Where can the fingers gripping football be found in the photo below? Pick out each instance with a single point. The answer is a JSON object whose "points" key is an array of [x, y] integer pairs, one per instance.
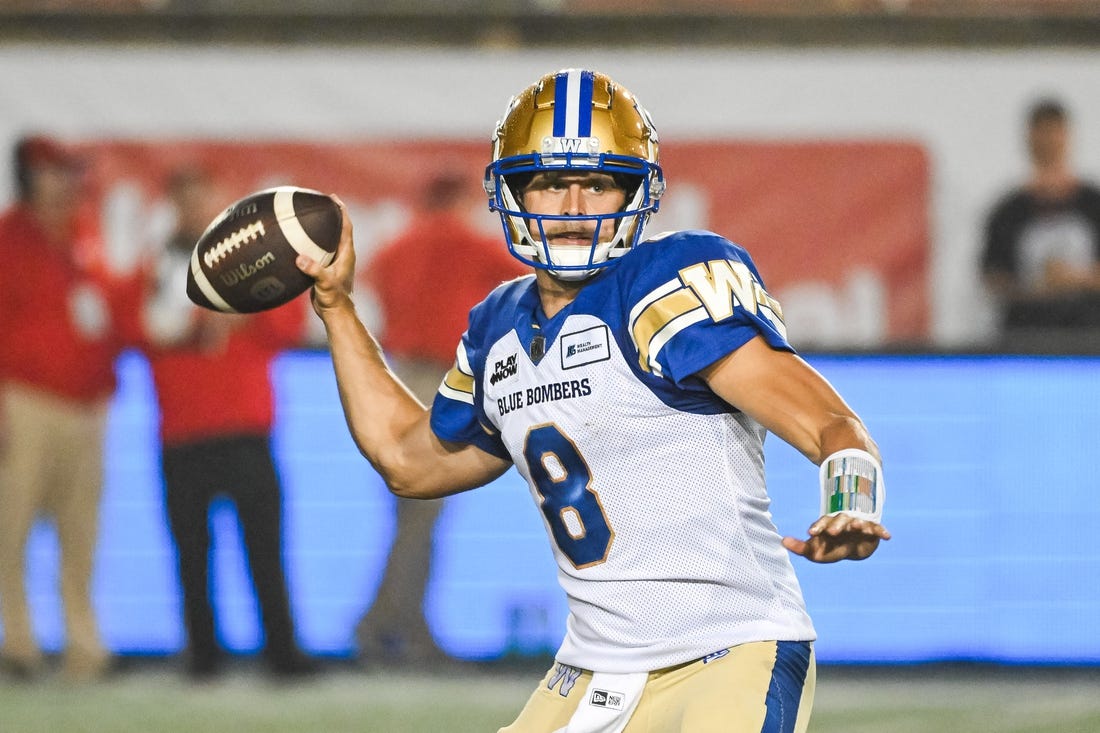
{"points": [[333, 284]]}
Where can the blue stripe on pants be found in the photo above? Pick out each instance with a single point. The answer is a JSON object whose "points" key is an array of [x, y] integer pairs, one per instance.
{"points": [[792, 661]]}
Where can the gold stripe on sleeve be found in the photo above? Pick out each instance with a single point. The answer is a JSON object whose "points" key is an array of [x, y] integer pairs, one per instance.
{"points": [[656, 316], [458, 381]]}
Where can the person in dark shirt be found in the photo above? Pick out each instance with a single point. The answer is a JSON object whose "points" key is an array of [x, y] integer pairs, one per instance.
{"points": [[1042, 241]]}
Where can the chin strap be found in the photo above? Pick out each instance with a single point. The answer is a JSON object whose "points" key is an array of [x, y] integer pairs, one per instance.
{"points": [[852, 483]]}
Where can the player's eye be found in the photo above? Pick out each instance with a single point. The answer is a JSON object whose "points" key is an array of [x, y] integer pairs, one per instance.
{"points": [[601, 184]]}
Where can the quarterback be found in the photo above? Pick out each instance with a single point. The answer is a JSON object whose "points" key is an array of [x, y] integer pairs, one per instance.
{"points": [[631, 382]]}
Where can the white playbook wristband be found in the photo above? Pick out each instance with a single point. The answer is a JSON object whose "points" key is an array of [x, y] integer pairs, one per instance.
{"points": [[852, 483]]}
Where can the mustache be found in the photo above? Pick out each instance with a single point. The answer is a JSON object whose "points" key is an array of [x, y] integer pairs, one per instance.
{"points": [[570, 230]]}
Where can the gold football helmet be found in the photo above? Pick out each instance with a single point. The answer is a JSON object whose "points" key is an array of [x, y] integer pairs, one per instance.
{"points": [[574, 119]]}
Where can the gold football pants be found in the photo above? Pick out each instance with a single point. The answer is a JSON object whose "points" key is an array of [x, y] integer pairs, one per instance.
{"points": [[761, 687]]}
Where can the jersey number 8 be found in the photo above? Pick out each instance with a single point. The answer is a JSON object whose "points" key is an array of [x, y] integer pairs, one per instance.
{"points": [[571, 507]]}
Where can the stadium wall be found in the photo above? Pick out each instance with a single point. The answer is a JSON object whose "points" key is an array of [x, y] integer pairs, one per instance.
{"points": [[963, 107]]}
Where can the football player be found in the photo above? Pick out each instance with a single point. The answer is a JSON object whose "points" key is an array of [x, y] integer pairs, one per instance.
{"points": [[631, 382]]}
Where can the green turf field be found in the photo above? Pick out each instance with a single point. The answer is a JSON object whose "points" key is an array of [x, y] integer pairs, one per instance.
{"points": [[935, 699]]}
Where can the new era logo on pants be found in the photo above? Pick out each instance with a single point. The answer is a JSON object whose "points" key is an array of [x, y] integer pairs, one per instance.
{"points": [[606, 699]]}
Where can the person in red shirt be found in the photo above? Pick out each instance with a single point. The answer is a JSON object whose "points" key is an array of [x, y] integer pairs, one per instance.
{"points": [[425, 282], [63, 321], [213, 383]]}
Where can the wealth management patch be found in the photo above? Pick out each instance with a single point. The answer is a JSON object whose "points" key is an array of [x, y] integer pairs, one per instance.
{"points": [[585, 347]]}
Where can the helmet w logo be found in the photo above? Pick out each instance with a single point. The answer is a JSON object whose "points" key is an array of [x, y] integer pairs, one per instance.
{"points": [[575, 144]]}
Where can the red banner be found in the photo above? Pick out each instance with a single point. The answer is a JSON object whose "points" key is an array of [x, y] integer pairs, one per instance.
{"points": [[839, 230]]}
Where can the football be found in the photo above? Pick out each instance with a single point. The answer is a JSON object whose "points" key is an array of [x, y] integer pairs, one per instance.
{"points": [[244, 261]]}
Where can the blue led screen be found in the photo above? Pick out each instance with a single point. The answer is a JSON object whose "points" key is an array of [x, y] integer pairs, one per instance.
{"points": [[992, 500]]}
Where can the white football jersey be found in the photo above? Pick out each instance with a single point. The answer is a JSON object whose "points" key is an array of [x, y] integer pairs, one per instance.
{"points": [[651, 487]]}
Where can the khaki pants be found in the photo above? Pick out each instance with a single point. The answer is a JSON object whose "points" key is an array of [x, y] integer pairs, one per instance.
{"points": [[394, 629], [51, 463], [750, 687]]}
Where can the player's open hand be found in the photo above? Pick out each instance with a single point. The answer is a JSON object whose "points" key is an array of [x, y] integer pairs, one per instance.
{"points": [[838, 537], [333, 284]]}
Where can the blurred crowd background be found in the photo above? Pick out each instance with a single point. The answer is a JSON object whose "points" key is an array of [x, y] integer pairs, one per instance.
{"points": [[858, 148]]}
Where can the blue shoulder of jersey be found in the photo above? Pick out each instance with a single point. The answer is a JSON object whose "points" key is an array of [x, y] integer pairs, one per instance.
{"points": [[457, 414], [694, 297]]}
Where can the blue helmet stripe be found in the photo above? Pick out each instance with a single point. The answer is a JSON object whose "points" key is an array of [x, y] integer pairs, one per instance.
{"points": [[584, 112], [561, 103], [573, 104]]}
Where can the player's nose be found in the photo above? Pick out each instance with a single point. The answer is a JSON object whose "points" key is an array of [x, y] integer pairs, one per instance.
{"points": [[573, 203]]}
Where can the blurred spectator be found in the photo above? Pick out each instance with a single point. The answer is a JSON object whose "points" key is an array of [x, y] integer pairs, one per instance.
{"points": [[426, 281], [1042, 242], [212, 377], [62, 323]]}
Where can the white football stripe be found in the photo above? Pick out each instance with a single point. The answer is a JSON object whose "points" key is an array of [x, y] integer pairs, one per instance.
{"points": [[206, 287], [292, 228]]}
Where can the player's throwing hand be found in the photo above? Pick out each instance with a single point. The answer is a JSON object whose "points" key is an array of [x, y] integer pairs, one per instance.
{"points": [[334, 283]]}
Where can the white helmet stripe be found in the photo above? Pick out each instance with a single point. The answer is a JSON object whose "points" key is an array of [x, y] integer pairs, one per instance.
{"points": [[573, 103]]}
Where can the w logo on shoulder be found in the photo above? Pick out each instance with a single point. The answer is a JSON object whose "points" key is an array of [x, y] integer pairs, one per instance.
{"points": [[606, 699]]}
